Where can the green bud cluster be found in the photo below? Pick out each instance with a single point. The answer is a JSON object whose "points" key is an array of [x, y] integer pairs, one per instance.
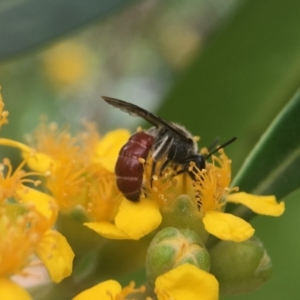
{"points": [[172, 247], [239, 267]]}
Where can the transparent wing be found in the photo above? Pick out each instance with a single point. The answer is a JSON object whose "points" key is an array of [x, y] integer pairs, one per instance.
{"points": [[137, 111]]}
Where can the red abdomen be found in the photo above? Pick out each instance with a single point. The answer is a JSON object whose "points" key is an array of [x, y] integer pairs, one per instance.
{"points": [[129, 170]]}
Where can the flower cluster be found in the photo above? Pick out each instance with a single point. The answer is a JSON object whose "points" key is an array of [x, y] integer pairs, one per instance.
{"points": [[76, 175], [26, 220]]}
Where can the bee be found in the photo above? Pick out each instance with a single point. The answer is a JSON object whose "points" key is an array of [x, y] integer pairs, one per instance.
{"points": [[165, 141]]}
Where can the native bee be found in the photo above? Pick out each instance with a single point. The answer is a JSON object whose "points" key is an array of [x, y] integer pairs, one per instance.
{"points": [[165, 141]]}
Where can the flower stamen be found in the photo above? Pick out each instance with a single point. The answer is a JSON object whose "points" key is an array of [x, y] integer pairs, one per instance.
{"points": [[13, 181]]}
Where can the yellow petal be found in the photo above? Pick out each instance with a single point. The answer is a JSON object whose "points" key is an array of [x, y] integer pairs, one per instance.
{"points": [[43, 203], [187, 282], [106, 290], [137, 219], [227, 227], [108, 148], [263, 205], [40, 162], [11, 291], [56, 254], [108, 230]]}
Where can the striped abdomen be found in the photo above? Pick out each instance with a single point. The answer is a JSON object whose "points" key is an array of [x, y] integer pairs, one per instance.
{"points": [[129, 170]]}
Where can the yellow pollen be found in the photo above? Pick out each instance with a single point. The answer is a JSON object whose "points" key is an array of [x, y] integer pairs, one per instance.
{"points": [[37, 182], [155, 177], [162, 196], [48, 174], [19, 235], [204, 151], [53, 126], [196, 138], [141, 160]]}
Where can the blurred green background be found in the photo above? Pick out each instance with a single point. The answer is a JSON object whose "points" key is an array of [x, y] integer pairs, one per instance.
{"points": [[220, 68]]}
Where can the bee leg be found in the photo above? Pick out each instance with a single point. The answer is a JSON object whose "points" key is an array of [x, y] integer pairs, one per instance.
{"points": [[163, 166], [153, 169], [163, 148], [197, 195], [180, 171], [159, 152], [199, 161], [144, 191]]}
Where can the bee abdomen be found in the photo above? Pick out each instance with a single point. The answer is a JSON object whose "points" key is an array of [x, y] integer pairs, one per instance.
{"points": [[129, 170]]}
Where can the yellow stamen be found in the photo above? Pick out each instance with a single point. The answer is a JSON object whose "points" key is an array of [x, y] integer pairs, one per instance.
{"points": [[19, 236], [103, 196], [196, 138], [128, 290], [15, 144], [13, 181], [141, 160]]}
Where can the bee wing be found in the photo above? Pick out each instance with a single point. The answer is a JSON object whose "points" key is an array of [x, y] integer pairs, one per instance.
{"points": [[137, 111]]}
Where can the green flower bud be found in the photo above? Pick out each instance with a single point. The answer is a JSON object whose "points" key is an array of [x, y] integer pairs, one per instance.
{"points": [[240, 267], [172, 247], [183, 213]]}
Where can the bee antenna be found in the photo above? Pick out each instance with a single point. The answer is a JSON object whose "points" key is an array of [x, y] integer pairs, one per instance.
{"points": [[213, 144], [220, 147]]}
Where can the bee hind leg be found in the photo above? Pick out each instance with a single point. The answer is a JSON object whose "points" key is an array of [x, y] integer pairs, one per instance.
{"points": [[153, 169], [163, 166]]}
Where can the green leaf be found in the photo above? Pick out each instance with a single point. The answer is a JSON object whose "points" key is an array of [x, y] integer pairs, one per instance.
{"points": [[272, 168], [25, 24], [242, 78]]}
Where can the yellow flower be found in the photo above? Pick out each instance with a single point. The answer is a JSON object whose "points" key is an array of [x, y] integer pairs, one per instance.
{"points": [[108, 290], [26, 219], [208, 194], [185, 282], [212, 186], [81, 176], [132, 221], [79, 170], [67, 63], [61, 156]]}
